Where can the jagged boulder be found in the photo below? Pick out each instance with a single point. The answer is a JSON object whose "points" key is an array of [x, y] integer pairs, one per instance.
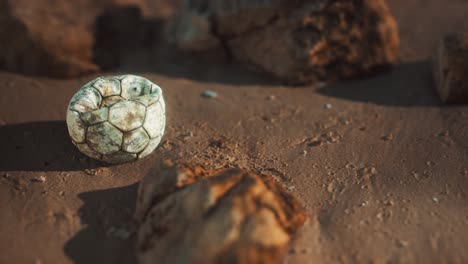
{"points": [[187, 214]]}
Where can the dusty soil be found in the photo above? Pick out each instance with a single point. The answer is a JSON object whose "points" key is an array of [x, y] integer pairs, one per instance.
{"points": [[379, 164]]}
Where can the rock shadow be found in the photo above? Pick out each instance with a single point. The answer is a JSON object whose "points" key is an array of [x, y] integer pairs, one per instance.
{"points": [[108, 236], [406, 85]]}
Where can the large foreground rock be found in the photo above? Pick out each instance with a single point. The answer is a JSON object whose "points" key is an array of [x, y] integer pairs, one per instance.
{"points": [[191, 215], [58, 38], [297, 41], [451, 68]]}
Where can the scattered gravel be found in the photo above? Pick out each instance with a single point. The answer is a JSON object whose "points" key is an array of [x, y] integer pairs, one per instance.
{"points": [[209, 94]]}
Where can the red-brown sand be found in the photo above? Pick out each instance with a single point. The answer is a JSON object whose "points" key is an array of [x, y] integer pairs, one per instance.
{"points": [[382, 170]]}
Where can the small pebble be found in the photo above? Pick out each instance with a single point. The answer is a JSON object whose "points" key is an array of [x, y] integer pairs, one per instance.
{"points": [[40, 179], [328, 106], [209, 94], [435, 199], [271, 98], [304, 152], [292, 187], [387, 137], [402, 243]]}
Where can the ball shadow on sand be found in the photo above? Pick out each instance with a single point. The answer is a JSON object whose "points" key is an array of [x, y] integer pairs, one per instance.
{"points": [[40, 146], [102, 212], [405, 85]]}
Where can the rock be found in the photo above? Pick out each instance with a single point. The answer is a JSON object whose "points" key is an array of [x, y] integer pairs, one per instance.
{"points": [[187, 214], [297, 41], [57, 38], [451, 68]]}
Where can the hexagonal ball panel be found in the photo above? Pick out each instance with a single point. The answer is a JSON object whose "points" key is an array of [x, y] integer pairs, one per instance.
{"points": [[127, 115], [150, 148], [134, 86], [108, 86], [135, 140], [85, 100], [147, 100], [76, 127], [84, 148], [155, 120], [104, 138]]}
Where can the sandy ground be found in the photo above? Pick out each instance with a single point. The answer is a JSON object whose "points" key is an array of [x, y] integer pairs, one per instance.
{"points": [[390, 186]]}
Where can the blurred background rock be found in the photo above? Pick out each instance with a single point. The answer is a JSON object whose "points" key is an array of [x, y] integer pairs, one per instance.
{"points": [[59, 38], [297, 42]]}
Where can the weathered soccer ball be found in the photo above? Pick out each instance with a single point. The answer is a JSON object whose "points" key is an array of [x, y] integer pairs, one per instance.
{"points": [[117, 119]]}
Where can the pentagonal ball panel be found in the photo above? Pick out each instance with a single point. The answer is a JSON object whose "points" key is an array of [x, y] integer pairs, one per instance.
{"points": [[135, 140], [104, 138], [127, 115], [134, 86], [96, 116]]}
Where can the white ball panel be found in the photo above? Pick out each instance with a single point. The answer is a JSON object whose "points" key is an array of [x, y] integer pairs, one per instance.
{"points": [[104, 138], [108, 86], [85, 100], [151, 147], [84, 148], [134, 86], [76, 127], [135, 140], [155, 120], [127, 115]]}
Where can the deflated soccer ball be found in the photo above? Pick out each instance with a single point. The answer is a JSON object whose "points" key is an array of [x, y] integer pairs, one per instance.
{"points": [[117, 119]]}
